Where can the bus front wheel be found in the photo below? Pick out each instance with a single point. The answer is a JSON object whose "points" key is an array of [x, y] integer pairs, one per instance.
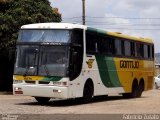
{"points": [[42, 100], [87, 92]]}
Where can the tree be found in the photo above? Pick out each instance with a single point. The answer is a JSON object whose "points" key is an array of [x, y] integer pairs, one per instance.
{"points": [[14, 14]]}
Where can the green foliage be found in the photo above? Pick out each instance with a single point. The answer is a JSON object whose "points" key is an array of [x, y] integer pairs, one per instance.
{"points": [[15, 13]]}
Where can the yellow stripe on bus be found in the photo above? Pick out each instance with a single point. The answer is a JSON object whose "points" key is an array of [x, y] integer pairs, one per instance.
{"points": [[19, 77]]}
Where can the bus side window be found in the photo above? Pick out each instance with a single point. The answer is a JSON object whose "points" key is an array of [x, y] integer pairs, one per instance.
{"points": [[149, 52], [118, 47], [133, 52], [122, 48], [92, 44], [145, 52], [112, 46], [107, 46], [142, 50], [152, 52], [138, 49], [127, 48]]}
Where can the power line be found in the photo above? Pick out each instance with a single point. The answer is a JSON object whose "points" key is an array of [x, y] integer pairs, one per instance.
{"points": [[131, 29], [72, 17], [121, 24], [111, 17], [122, 17], [119, 28], [72, 21]]}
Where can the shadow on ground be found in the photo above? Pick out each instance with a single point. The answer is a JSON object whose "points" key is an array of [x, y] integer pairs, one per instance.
{"points": [[74, 102]]}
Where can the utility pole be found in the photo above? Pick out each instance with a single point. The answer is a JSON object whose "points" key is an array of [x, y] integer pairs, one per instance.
{"points": [[83, 12]]}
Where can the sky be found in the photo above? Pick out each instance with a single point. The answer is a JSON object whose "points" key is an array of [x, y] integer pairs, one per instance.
{"points": [[140, 18]]}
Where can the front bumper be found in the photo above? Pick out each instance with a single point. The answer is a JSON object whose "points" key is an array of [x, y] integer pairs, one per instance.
{"points": [[41, 91]]}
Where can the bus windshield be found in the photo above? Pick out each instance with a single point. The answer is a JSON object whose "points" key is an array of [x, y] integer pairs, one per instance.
{"points": [[46, 35], [42, 60], [54, 61]]}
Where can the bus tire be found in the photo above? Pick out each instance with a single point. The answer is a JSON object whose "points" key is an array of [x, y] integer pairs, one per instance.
{"points": [[42, 100], [141, 88], [135, 90], [88, 92]]}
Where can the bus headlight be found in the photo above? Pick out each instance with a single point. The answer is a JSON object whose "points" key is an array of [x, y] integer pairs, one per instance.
{"points": [[18, 90], [56, 91]]}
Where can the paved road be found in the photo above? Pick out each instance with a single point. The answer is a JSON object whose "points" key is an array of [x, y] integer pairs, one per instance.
{"points": [[149, 103]]}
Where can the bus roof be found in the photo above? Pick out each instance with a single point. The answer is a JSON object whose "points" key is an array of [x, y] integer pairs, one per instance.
{"points": [[53, 26], [74, 26], [120, 35]]}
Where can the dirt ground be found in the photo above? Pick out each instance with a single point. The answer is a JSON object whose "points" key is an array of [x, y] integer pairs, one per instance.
{"points": [[149, 103]]}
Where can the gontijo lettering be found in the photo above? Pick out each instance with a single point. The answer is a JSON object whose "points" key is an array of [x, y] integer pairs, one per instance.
{"points": [[129, 64]]}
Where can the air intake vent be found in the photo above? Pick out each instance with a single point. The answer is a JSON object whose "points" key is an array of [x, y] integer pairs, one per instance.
{"points": [[29, 82], [44, 82]]}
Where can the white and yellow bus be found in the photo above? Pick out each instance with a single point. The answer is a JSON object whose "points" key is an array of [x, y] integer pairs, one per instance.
{"points": [[61, 60]]}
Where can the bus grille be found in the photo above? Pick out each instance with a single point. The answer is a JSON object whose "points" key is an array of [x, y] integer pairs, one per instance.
{"points": [[44, 82]]}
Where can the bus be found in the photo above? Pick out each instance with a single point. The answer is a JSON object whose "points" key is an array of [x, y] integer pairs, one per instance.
{"points": [[65, 61]]}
